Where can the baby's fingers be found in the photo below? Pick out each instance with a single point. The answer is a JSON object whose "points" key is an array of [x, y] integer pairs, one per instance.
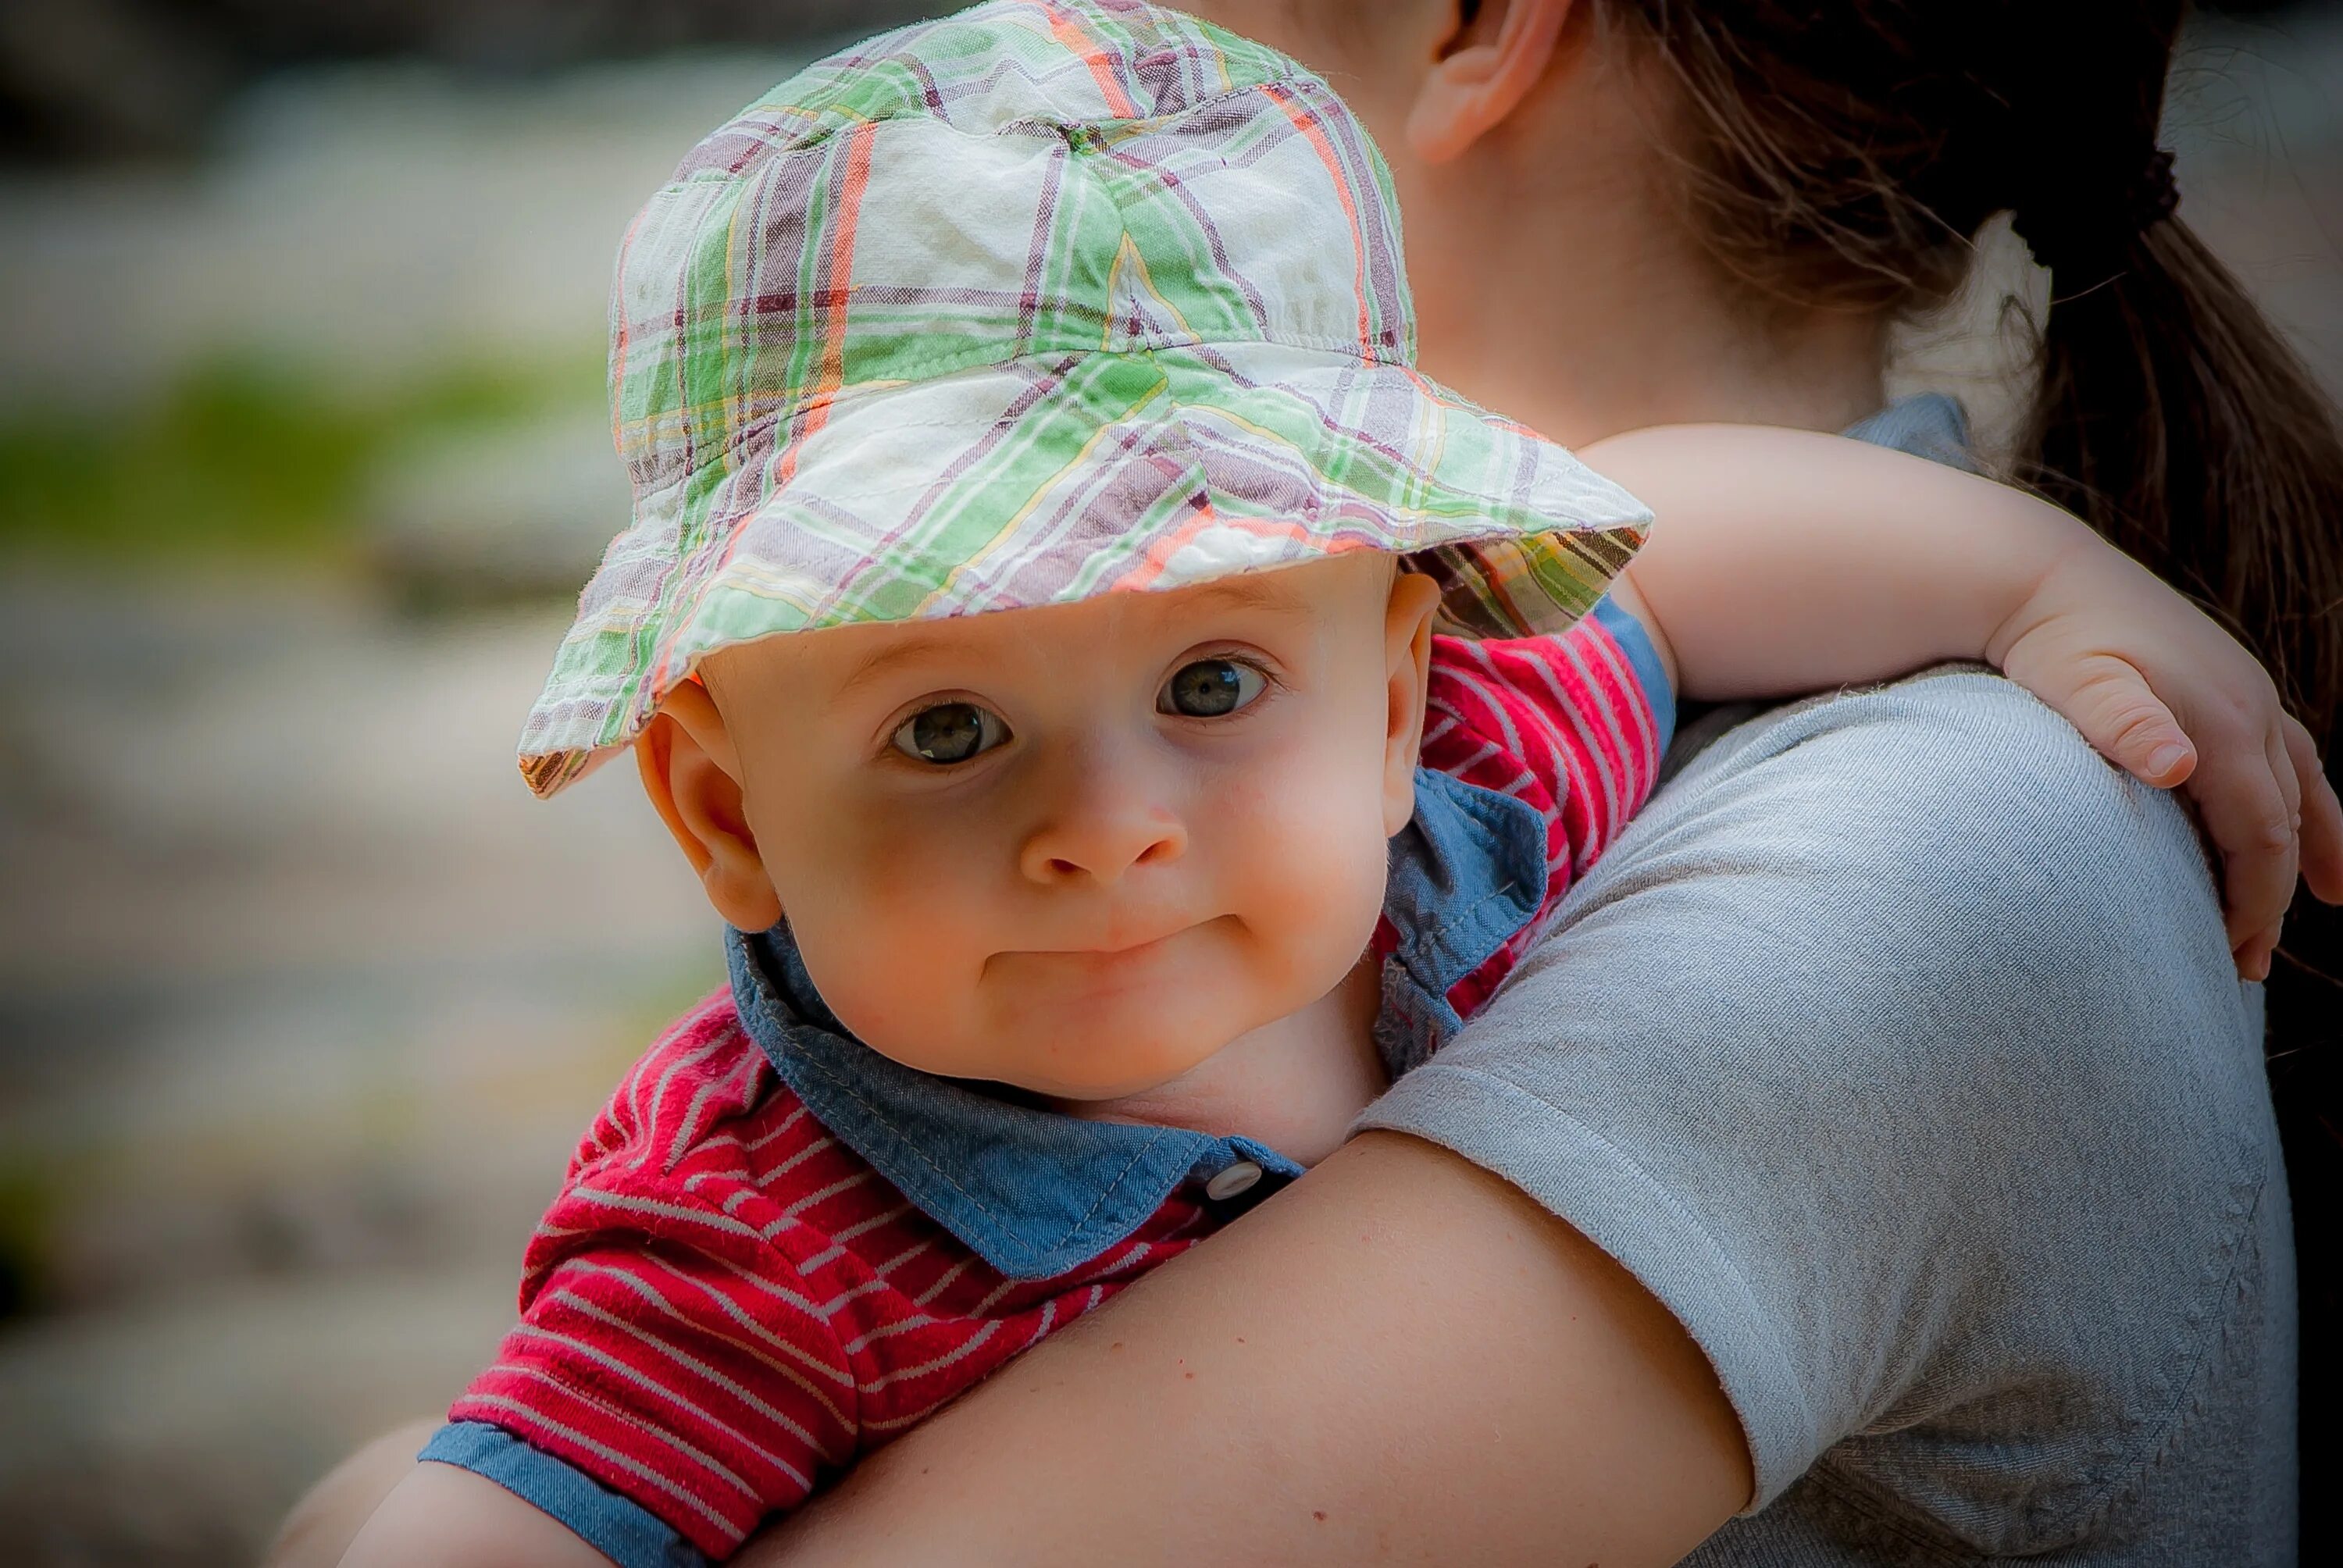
{"points": [[2246, 818], [2111, 703], [2322, 816], [2253, 958]]}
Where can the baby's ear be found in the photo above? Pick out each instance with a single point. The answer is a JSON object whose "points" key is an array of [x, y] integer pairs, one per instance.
{"points": [[1407, 667], [691, 772]]}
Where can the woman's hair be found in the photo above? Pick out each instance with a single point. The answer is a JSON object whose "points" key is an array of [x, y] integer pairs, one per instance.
{"points": [[1847, 154]]}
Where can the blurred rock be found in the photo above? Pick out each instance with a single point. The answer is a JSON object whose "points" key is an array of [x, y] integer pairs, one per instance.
{"points": [[82, 79], [304, 1002], [85, 80], [505, 512], [175, 1434], [372, 226]]}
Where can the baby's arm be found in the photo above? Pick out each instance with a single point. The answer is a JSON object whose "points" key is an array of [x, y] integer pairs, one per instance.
{"points": [[672, 1379], [1784, 561], [669, 1385], [455, 1519]]}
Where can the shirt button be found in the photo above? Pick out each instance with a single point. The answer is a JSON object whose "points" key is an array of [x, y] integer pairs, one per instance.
{"points": [[1238, 1178]]}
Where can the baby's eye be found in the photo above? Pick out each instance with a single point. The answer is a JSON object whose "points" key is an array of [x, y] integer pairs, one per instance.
{"points": [[949, 732], [1209, 688]]}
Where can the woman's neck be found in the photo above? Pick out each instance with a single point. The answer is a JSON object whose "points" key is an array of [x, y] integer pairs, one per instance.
{"points": [[1294, 1084], [1618, 353], [1572, 294]]}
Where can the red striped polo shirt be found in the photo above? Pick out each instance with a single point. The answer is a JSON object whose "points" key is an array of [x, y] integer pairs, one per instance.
{"points": [[726, 1305]]}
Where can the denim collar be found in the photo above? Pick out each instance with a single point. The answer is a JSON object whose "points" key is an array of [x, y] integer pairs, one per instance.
{"points": [[1929, 425], [1037, 1193]]}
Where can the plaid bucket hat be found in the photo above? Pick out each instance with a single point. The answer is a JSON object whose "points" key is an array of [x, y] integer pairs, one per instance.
{"points": [[1049, 299]]}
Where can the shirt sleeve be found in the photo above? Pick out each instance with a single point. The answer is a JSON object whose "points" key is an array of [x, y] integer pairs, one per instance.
{"points": [[1896, 1049], [670, 1382], [1573, 724], [1576, 724]]}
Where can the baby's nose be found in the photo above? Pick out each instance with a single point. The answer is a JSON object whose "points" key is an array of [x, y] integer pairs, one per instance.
{"points": [[1100, 841]]}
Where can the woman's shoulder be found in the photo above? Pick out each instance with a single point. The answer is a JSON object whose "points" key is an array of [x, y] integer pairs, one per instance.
{"points": [[1957, 786], [1896, 1049], [1916, 889], [1948, 850]]}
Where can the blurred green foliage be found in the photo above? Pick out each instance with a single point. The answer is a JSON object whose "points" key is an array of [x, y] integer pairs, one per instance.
{"points": [[244, 457]]}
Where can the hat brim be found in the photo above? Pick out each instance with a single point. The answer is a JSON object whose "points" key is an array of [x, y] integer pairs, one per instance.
{"points": [[1049, 480]]}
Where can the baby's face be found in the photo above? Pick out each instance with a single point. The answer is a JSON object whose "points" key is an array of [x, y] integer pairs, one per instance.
{"points": [[1080, 849]]}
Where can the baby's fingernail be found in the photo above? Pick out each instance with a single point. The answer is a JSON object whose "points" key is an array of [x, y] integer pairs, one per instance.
{"points": [[2165, 757]]}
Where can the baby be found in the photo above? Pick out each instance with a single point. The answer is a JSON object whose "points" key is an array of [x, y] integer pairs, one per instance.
{"points": [[1125, 714]]}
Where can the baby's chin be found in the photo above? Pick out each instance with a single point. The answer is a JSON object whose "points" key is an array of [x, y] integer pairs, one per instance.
{"points": [[1099, 1091], [1078, 1066]]}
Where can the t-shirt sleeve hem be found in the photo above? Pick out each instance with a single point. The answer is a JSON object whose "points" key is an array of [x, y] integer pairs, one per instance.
{"points": [[1571, 1171], [617, 1527], [1643, 658]]}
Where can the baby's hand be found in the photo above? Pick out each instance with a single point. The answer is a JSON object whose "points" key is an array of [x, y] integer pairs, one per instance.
{"points": [[2172, 699]]}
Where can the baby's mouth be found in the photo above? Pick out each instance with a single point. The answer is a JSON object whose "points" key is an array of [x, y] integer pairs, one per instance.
{"points": [[1118, 951]]}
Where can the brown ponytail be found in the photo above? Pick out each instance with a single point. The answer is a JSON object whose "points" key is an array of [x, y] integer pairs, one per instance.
{"points": [[2181, 425], [1846, 155]]}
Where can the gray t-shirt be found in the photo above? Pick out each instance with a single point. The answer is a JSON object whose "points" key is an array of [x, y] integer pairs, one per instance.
{"points": [[1898, 1049]]}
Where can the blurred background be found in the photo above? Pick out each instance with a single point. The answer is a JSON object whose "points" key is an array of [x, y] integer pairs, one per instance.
{"points": [[303, 998]]}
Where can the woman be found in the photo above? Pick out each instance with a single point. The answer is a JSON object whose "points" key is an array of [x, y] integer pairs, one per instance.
{"points": [[1932, 1206]]}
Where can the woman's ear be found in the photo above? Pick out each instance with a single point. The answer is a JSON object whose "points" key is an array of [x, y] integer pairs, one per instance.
{"points": [[1494, 55], [1407, 666], [691, 772]]}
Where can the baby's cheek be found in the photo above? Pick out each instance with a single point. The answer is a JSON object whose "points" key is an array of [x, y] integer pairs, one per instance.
{"points": [[894, 995], [890, 955], [1307, 870]]}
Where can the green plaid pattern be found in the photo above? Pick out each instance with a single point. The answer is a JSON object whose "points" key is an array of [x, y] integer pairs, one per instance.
{"points": [[1042, 301]]}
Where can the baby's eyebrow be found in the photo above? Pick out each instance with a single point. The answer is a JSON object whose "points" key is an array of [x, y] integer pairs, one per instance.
{"points": [[882, 662], [1256, 591], [1252, 590]]}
